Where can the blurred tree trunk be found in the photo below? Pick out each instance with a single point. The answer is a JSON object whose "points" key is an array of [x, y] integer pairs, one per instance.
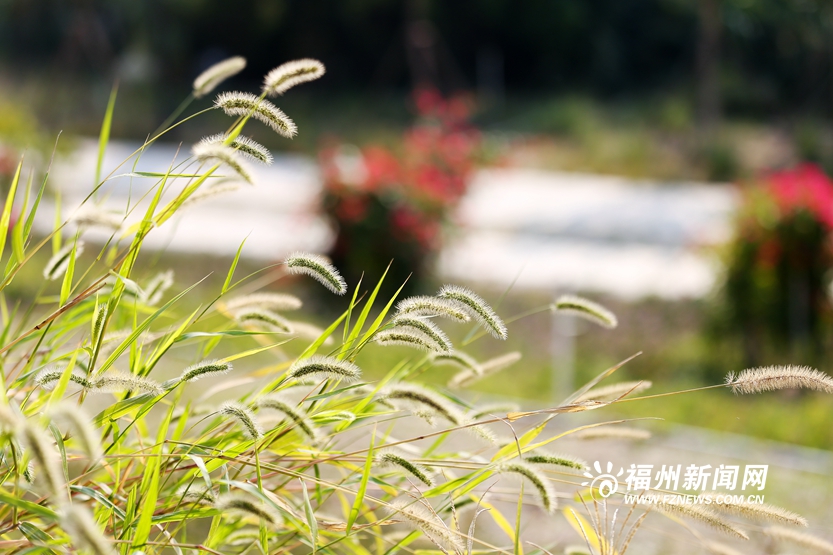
{"points": [[708, 64]]}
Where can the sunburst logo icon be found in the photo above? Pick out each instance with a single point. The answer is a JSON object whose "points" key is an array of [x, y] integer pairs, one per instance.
{"points": [[603, 480]]}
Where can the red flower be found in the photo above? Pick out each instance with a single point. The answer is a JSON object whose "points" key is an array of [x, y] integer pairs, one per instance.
{"points": [[805, 187]]}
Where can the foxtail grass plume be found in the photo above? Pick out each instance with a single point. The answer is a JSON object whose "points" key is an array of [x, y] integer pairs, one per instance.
{"points": [[542, 485], [477, 308], [116, 381], [262, 318], [99, 317], [408, 338], [243, 504], [760, 512], [614, 391], [296, 415], [49, 376], [196, 494], [424, 326], [156, 287], [205, 368], [704, 515], [244, 104], [319, 367], [431, 306], [587, 309], [82, 529], [542, 457], [209, 79], [457, 359], [612, 432], [487, 368], [779, 533], [45, 456], [57, 266], [93, 216], [218, 152], [422, 398], [418, 471], [211, 191], [427, 522], [721, 549], [287, 75], [318, 268], [279, 302], [771, 378], [85, 434], [243, 416], [243, 145]]}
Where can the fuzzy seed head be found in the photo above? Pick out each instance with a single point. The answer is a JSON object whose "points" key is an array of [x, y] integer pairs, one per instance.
{"points": [[408, 338], [93, 216], [85, 434], [287, 75], [424, 326], [263, 319], [209, 79], [422, 398], [44, 456], [57, 266], [243, 416], [477, 308], [278, 302], [79, 524], [218, 152], [318, 268], [457, 359], [240, 503], [587, 309], [541, 457], [418, 471], [612, 432], [244, 145], [431, 306], [157, 286], [779, 533], [771, 378], [49, 376], [205, 368], [427, 522], [761, 512], [542, 485], [243, 104], [319, 367], [116, 381], [296, 415], [704, 515], [196, 494]]}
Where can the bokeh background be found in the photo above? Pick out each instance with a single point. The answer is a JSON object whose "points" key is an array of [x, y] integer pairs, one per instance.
{"points": [[666, 157]]}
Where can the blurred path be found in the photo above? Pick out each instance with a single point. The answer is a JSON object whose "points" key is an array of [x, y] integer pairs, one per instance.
{"points": [[548, 230]]}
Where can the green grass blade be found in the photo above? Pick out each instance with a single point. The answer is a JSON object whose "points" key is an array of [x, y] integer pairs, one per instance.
{"points": [[104, 136], [233, 267], [7, 208], [354, 333], [66, 284], [359, 501], [311, 522]]}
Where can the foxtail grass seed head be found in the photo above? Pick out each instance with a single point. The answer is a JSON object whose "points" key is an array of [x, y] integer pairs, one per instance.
{"points": [[427, 522], [278, 302], [57, 266], [85, 433], [542, 485], [779, 533], [422, 398], [211, 153], [704, 515], [195, 494], [318, 268], [425, 326], [721, 549], [99, 317], [156, 287], [8, 420], [614, 391], [431, 306], [116, 381], [457, 359], [243, 104], [287, 75], [612, 432], [319, 367], [82, 529], [45, 457], [772, 378], [243, 416], [408, 338], [205, 368], [477, 308], [243, 504], [418, 471], [263, 319], [296, 415], [587, 309], [760, 512], [92, 216], [541, 457], [209, 79], [244, 145], [49, 376]]}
